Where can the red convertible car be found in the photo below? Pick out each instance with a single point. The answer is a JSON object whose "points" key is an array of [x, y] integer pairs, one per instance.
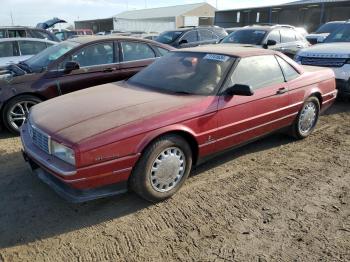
{"points": [[146, 133]]}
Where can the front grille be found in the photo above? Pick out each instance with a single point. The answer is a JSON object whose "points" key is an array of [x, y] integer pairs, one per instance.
{"points": [[40, 139], [327, 62]]}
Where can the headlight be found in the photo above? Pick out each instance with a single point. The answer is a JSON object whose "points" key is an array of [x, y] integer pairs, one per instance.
{"points": [[62, 152]]}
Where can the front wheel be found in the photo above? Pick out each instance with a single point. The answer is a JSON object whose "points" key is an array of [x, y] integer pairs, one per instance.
{"points": [[15, 111], [162, 168], [307, 118]]}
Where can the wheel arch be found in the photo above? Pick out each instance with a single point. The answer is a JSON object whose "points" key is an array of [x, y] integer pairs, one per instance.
{"points": [[183, 132], [318, 95], [16, 96]]}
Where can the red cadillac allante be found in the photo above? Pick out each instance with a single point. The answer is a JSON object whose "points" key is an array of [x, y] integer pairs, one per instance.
{"points": [[147, 133]]}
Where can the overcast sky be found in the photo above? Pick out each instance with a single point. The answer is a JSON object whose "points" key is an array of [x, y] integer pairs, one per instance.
{"points": [[30, 12]]}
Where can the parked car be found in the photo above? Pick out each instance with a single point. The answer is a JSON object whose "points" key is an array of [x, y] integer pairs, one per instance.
{"points": [[302, 31], [232, 29], [325, 30], [14, 50], [147, 133], [192, 36], [281, 38], [22, 31], [69, 66], [150, 36], [66, 34], [335, 54]]}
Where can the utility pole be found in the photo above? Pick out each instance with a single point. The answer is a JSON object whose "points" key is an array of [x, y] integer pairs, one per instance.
{"points": [[216, 4], [11, 19], [145, 3], [127, 5]]}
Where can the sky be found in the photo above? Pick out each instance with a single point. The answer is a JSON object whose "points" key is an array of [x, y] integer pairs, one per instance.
{"points": [[31, 12]]}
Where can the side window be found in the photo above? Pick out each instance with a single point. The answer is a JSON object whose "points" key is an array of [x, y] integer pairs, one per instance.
{"points": [[40, 34], [3, 33], [190, 36], [205, 35], [275, 35], [6, 49], [133, 51], [287, 36], [98, 54], [253, 71], [16, 33], [31, 47], [161, 51], [289, 72]]}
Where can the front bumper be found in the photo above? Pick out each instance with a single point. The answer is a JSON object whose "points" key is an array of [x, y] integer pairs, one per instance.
{"points": [[74, 195], [82, 184]]}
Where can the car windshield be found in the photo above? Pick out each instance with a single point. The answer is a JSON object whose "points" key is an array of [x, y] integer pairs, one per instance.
{"points": [[168, 37], [189, 73], [44, 58], [247, 36], [340, 35], [327, 28]]}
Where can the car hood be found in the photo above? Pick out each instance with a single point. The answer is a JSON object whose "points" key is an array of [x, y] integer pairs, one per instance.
{"points": [[84, 114], [327, 50], [8, 79]]}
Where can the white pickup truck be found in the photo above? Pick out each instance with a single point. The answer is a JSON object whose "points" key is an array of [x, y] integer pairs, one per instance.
{"points": [[333, 53]]}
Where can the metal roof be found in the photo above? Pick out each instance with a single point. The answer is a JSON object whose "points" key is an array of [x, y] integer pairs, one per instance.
{"points": [[161, 12]]}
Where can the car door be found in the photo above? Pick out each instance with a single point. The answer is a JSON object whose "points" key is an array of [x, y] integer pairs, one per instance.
{"points": [[134, 56], [274, 35], [98, 65], [243, 118], [207, 37], [289, 44], [189, 39]]}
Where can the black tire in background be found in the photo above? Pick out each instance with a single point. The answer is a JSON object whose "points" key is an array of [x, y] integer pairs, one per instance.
{"points": [[142, 178]]}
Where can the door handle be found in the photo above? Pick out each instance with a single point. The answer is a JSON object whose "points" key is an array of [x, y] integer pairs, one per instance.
{"points": [[282, 91], [108, 70], [299, 46]]}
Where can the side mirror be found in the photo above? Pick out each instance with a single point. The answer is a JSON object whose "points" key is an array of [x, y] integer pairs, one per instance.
{"points": [[269, 43], [240, 90], [71, 66], [183, 41]]}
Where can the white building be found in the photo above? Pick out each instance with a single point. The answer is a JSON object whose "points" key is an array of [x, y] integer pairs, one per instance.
{"points": [[164, 18]]}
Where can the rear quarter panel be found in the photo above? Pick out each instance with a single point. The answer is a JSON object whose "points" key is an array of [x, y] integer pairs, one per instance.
{"points": [[313, 81]]}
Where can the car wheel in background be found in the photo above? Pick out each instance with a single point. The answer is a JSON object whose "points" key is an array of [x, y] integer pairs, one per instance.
{"points": [[16, 110], [307, 118], [162, 168]]}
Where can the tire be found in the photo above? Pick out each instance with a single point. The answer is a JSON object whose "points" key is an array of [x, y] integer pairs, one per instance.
{"points": [[12, 107], [302, 130], [148, 173]]}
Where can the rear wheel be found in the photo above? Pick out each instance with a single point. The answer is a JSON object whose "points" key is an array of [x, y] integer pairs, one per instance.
{"points": [[162, 168], [15, 111], [307, 118]]}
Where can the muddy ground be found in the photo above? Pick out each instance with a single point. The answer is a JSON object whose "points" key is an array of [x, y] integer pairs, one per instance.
{"points": [[274, 200]]}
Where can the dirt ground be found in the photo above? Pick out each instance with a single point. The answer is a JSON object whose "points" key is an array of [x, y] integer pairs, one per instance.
{"points": [[274, 200]]}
